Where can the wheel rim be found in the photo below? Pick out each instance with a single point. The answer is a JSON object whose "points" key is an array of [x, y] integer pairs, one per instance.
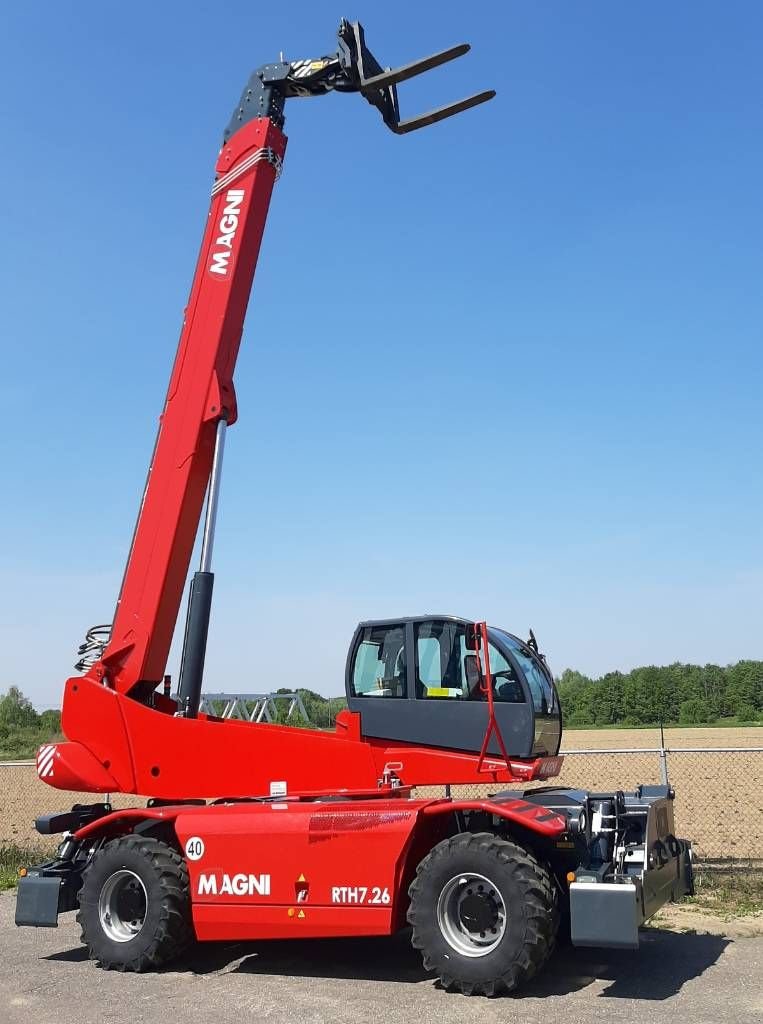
{"points": [[471, 914], [122, 906]]}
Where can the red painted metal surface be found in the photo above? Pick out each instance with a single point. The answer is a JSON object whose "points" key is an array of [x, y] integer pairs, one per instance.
{"points": [[493, 729], [117, 744], [338, 865], [521, 812], [304, 868], [200, 391]]}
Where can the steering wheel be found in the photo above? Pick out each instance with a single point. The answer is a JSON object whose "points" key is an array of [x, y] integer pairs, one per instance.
{"points": [[512, 685]]}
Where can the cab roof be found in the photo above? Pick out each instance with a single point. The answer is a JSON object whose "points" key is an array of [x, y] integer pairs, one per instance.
{"points": [[403, 619]]}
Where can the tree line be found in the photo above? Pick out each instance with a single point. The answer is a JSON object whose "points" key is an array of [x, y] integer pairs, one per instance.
{"points": [[672, 694], [22, 729]]}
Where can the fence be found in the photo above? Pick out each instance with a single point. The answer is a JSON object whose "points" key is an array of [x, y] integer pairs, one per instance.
{"points": [[719, 793], [719, 790]]}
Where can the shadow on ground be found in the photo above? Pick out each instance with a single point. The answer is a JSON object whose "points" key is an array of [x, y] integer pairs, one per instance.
{"points": [[661, 966], [664, 962]]}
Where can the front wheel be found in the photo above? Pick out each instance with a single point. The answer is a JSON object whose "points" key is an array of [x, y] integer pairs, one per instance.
{"points": [[484, 913], [134, 905]]}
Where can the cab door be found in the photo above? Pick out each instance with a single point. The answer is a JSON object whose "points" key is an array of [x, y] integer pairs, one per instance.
{"points": [[441, 704], [448, 703]]}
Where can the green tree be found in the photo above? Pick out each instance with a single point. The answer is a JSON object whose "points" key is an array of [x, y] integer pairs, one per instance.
{"points": [[50, 723], [16, 711], [693, 712], [745, 685], [576, 696], [649, 694], [747, 713], [714, 686], [608, 699]]}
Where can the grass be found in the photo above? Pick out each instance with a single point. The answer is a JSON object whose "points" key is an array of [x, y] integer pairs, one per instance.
{"points": [[13, 857], [718, 723], [728, 893]]}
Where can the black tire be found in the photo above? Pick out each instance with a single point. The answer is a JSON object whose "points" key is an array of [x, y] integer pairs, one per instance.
{"points": [[518, 907], [134, 905]]}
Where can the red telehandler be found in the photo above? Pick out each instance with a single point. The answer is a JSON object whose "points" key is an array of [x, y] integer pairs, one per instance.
{"points": [[261, 831]]}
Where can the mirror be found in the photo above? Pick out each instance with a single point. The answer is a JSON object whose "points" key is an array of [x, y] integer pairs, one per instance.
{"points": [[472, 638]]}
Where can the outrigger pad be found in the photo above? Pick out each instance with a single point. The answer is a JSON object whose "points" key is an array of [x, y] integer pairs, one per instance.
{"points": [[379, 85]]}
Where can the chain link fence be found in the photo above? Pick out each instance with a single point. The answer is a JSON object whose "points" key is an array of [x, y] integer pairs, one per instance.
{"points": [[719, 790], [719, 793]]}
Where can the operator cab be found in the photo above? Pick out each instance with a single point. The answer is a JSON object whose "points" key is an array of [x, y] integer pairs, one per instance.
{"points": [[418, 680]]}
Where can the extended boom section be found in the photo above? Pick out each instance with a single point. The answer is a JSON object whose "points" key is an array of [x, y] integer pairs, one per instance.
{"points": [[200, 394]]}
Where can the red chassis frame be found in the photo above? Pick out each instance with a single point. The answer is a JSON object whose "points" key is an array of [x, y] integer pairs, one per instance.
{"points": [[139, 749], [292, 868]]}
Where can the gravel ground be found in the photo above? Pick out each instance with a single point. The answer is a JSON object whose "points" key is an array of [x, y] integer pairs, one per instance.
{"points": [[45, 979]]}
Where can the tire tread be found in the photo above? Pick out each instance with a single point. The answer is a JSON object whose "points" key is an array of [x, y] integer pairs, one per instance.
{"points": [[173, 932], [541, 910]]}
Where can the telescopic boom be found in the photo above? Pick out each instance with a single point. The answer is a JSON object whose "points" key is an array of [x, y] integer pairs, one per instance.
{"points": [[131, 655]]}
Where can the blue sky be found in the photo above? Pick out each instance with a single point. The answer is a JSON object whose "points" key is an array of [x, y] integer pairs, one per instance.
{"points": [[508, 367]]}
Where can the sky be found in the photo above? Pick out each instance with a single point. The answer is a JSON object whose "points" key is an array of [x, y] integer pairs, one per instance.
{"points": [[508, 367]]}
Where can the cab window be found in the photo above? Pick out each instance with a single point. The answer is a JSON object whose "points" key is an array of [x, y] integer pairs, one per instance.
{"points": [[430, 663], [439, 671], [541, 688], [506, 686], [379, 669], [447, 670]]}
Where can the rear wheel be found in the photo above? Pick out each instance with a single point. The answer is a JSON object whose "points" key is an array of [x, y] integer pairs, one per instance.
{"points": [[134, 905], [484, 914]]}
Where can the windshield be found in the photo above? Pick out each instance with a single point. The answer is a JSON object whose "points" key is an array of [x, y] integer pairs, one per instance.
{"points": [[536, 672]]}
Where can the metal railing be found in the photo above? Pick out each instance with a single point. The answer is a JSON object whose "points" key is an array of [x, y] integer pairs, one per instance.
{"points": [[253, 707], [663, 753]]}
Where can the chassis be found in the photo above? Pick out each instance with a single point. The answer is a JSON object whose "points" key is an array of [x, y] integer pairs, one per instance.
{"points": [[517, 864]]}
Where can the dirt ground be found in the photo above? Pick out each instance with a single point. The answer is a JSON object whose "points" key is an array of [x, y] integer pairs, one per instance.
{"points": [[595, 739], [697, 918]]}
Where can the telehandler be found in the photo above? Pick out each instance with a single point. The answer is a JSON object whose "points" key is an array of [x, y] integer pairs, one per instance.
{"points": [[262, 831]]}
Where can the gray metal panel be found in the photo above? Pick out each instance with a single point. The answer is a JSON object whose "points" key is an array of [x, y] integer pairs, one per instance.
{"points": [[604, 914], [668, 882], [37, 901], [447, 724], [660, 884], [410, 662]]}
